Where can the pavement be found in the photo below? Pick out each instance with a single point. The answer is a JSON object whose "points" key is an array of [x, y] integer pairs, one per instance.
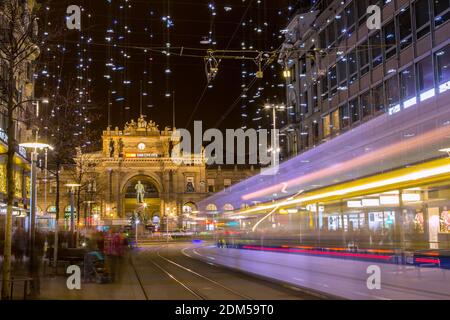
{"points": [[165, 272], [126, 287], [338, 277]]}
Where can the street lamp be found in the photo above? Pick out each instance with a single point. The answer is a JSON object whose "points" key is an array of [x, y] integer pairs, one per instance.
{"points": [[33, 146], [136, 235], [275, 148], [38, 104], [72, 187], [169, 214]]}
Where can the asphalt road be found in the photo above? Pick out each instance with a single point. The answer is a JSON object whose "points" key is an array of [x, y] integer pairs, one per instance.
{"points": [[169, 272]]}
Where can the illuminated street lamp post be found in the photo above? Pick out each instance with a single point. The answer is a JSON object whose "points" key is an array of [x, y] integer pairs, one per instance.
{"points": [[275, 147], [169, 214], [34, 146], [136, 222]]}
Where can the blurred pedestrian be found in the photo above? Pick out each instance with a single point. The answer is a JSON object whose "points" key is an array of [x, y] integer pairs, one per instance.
{"points": [[19, 245]]}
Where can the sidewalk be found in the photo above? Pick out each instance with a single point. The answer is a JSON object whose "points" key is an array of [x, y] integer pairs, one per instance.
{"points": [[125, 288]]}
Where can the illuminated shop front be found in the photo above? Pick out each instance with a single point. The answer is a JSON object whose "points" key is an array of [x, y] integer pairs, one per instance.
{"points": [[22, 187], [403, 208]]}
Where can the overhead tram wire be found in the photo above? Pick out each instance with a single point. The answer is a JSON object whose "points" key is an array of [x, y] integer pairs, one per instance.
{"points": [[234, 104], [205, 89], [182, 50]]}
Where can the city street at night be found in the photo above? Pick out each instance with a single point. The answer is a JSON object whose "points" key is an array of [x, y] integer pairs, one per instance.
{"points": [[212, 159]]}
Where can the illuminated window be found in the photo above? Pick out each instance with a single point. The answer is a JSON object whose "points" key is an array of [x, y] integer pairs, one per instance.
{"points": [[443, 68], [350, 17], [408, 87], [352, 67], [335, 121], [344, 116], [441, 11], [390, 44], [326, 126]]}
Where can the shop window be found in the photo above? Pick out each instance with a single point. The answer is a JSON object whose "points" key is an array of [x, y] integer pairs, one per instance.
{"points": [[344, 116], [392, 95], [366, 105], [378, 98], [441, 11], [443, 68], [333, 80], [354, 110], [408, 87], [425, 76], [326, 126], [335, 121], [352, 67], [445, 221], [350, 18], [342, 73], [376, 49], [422, 17], [363, 55], [390, 44]]}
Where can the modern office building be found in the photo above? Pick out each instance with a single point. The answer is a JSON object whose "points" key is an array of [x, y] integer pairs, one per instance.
{"points": [[342, 74]]}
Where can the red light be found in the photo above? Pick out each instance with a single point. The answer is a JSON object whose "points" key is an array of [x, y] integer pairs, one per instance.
{"points": [[426, 260], [336, 254]]}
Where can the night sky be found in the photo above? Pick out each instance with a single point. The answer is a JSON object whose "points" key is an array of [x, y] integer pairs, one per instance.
{"points": [[218, 106]]}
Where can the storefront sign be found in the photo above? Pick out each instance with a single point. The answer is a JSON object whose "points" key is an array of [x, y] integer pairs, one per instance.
{"points": [[4, 137], [142, 155]]}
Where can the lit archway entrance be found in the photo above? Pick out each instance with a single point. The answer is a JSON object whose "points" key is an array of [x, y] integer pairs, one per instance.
{"points": [[151, 204], [190, 211]]}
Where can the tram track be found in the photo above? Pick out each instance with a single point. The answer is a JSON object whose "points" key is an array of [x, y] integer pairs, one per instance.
{"points": [[226, 288], [164, 272]]}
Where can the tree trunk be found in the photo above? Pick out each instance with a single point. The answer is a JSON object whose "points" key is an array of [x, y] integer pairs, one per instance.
{"points": [[11, 184], [55, 244]]}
